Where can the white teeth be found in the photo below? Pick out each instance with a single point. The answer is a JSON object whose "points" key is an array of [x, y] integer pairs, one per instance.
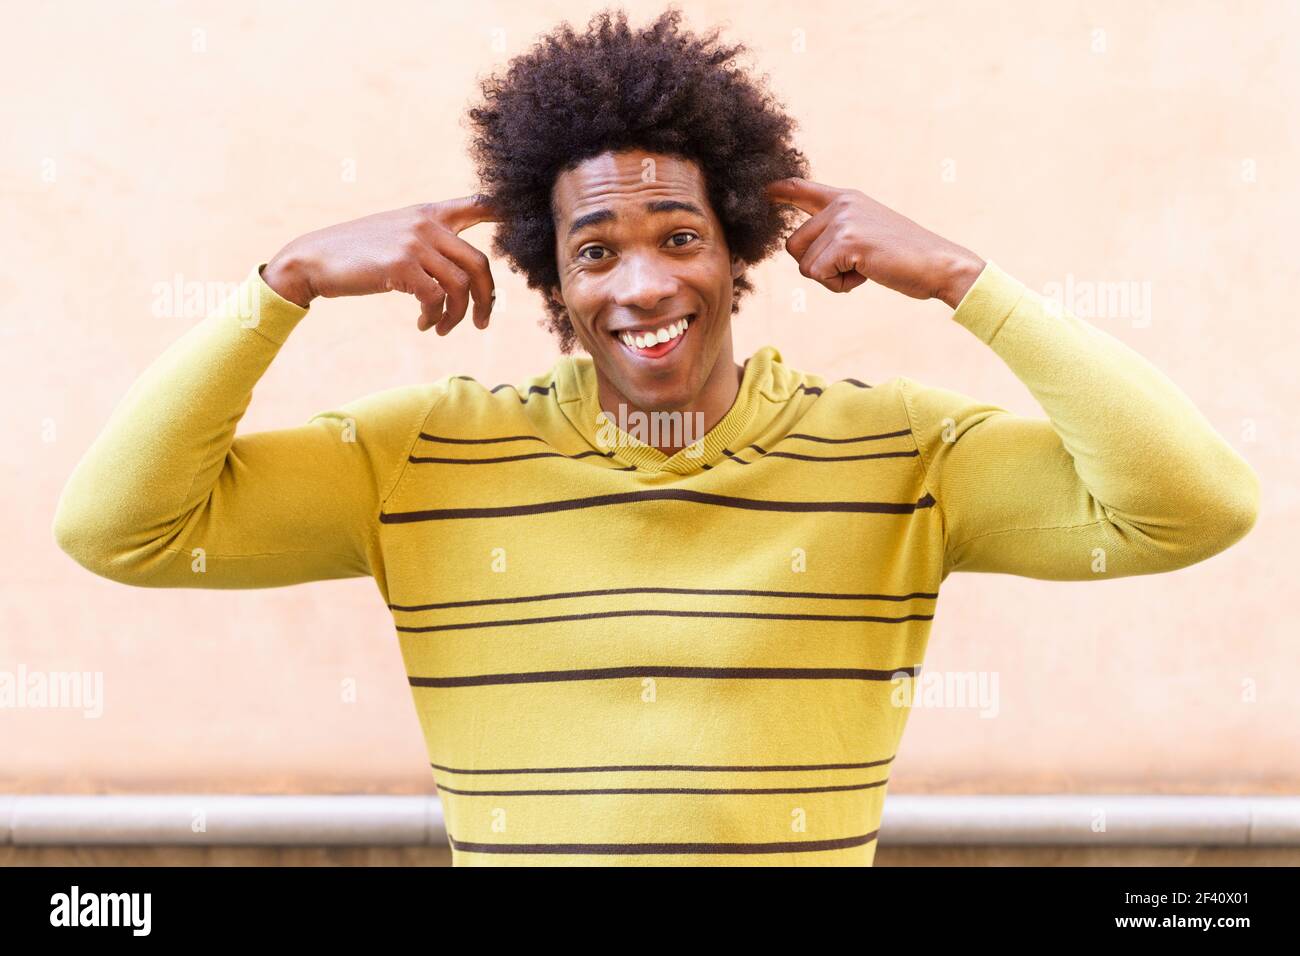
{"points": [[641, 340]]}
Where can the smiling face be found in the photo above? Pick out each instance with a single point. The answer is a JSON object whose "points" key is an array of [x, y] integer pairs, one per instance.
{"points": [[640, 251]]}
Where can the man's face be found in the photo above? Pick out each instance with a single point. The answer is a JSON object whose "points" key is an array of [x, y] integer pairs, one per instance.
{"points": [[638, 249]]}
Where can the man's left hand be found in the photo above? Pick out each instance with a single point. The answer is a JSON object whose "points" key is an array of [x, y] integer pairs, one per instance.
{"points": [[852, 238]]}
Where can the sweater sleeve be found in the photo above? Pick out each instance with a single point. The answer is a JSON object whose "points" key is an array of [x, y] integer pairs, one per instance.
{"points": [[1124, 477], [168, 496]]}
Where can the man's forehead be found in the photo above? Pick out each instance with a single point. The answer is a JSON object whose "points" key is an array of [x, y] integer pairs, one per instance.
{"points": [[623, 177]]}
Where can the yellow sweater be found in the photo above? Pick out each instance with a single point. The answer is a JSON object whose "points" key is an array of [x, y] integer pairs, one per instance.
{"points": [[619, 657]]}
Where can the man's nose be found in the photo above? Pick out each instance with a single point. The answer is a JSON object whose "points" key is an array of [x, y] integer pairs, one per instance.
{"points": [[643, 281]]}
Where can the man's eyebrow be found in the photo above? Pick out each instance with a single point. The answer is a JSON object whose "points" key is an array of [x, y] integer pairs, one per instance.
{"points": [[654, 205]]}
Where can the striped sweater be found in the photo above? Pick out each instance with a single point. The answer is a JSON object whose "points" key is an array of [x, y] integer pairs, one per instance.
{"points": [[623, 657]]}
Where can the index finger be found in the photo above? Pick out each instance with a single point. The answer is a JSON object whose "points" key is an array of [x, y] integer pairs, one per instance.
{"points": [[811, 197], [460, 214]]}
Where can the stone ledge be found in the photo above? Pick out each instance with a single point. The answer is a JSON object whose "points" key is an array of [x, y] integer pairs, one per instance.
{"points": [[376, 821]]}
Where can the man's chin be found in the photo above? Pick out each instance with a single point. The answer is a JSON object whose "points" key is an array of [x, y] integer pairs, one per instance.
{"points": [[670, 388], [656, 396]]}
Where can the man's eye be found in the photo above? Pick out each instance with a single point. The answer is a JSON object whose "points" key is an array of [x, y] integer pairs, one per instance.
{"points": [[676, 245]]}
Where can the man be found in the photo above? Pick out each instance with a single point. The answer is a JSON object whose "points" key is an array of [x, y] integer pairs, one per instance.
{"points": [[632, 645]]}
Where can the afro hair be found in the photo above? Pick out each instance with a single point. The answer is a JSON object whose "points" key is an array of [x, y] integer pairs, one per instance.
{"points": [[572, 97]]}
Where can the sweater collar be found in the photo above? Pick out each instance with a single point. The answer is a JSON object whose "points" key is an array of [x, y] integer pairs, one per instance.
{"points": [[756, 403]]}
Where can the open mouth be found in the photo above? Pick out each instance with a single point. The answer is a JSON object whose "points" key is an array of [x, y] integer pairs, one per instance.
{"points": [[660, 342]]}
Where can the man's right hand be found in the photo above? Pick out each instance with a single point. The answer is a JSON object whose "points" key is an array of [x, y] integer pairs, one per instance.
{"points": [[415, 249]]}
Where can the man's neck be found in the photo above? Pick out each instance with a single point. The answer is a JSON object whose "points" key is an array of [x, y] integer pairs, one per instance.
{"points": [[713, 402]]}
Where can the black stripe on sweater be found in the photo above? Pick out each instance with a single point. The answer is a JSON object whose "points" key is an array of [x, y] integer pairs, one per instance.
{"points": [[636, 849], [662, 612], [425, 436], [547, 389], [711, 592], [707, 673], [702, 768], [801, 436], [496, 461], [790, 454], [658, 494], [729, 791]]}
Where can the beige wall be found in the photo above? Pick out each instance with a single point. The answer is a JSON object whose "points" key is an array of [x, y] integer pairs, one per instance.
{"points": [[1160, 150]]}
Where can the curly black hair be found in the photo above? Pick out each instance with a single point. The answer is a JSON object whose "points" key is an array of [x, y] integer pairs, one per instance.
{"points": [[574, 96]]}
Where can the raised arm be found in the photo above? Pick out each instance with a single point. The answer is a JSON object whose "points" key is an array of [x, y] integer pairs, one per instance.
{"points": [[1124, 477], [168, 496]]}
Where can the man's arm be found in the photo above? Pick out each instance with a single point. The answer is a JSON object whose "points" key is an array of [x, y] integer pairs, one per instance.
{"points": [[168, 496], [1125, 477]]}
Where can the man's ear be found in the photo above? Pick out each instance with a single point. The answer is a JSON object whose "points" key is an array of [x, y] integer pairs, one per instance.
{"points": [[737, 267]]}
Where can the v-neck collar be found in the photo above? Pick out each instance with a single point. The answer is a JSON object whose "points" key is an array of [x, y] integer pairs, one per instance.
{"points": [[577, 394]]}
